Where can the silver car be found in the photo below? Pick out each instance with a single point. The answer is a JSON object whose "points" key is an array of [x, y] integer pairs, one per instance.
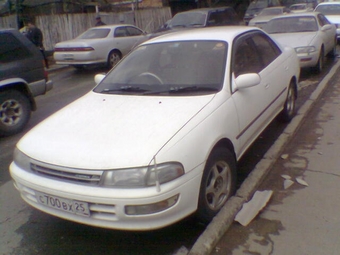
{"points": [[310, 34], [98, 45]]}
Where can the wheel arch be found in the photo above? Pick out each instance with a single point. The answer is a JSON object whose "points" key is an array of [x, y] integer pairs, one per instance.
{"points": [[114, 50], [226, 144], [22, 87]]}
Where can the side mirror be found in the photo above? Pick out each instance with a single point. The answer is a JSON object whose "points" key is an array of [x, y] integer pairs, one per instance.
{"points": [[98, 78], [247, 80], [326, 27]]}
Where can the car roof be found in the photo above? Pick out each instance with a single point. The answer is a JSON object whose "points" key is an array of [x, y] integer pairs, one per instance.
{"points": [[297, 14], [328, 3], [206, 10], [113, 26], [224, 33]]}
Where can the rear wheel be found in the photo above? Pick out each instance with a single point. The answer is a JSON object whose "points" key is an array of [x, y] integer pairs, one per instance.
{"points": [[14, 112], [319, 66], [289, 108], [332, 53], [114, 58], [218, 183]]}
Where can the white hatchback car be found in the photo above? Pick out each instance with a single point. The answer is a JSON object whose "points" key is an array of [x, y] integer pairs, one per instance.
{"points": [[310, 34], [159, 137], [98, 45]]}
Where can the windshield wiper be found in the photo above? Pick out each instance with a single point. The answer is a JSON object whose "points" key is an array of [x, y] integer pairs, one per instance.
{"points": [[124, 88], [174, 90]]}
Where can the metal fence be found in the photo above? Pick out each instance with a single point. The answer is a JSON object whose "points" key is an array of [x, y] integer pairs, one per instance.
{"points": [[61, 27]]}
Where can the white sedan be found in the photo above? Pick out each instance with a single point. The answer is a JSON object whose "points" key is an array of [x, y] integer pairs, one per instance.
{"points": [[98, 45], [159, 137], [332, 12], [310, 34]]}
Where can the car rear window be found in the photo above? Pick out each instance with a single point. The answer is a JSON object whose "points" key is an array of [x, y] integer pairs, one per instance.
{"points": [[11, 49], [95, 33]]}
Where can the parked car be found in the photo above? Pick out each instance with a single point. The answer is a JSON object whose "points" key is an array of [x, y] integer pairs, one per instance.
{"points": [[202, 17], [302, 7], [98, 45], [22, 77], [256, 6], [266, 14], [159, 137], [332, 12], [310, 34]]}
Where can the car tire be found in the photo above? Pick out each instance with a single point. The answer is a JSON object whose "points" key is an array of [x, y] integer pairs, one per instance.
{"points": [[15, 112], [218, 183], [114, 58], [79, 67], [332, 53], [289, 108], [319, 66]]}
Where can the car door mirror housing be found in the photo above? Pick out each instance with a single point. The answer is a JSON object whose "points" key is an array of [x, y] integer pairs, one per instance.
{"points": [[326, 27], [247, 80], [98, 78]]}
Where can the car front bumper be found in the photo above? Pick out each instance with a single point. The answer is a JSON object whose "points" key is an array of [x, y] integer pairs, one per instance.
{"points": [[107, 206], [308, 60]]}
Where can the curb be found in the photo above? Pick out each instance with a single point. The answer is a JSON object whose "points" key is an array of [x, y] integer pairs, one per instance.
{"points": [[223, 220]]}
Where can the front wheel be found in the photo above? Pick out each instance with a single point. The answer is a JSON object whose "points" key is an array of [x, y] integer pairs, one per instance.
{"points": [[14, 112], [218, 183], [319, 66], [289, 108]]}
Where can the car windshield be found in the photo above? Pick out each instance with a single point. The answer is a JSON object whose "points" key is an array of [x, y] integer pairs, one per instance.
{"points": [[298, 7], [291, 25], [256, 6], [188, 19], [169, 68], [267, 12], [95, 33], [329, 9]]}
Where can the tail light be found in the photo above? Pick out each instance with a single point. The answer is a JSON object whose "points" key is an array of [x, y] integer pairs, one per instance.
{"points": [[74, 49]]}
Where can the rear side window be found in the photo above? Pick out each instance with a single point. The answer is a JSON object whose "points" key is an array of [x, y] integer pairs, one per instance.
{"points": [[11, 49]]}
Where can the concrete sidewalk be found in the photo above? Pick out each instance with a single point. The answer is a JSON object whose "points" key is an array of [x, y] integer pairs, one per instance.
{"points": [[300, 219]]}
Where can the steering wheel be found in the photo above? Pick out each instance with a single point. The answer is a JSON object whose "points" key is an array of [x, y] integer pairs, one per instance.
{"points": [[154, 76]]}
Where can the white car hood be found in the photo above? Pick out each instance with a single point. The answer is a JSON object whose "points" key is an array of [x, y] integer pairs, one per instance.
{"points": [[110, 131], [295, 39]]}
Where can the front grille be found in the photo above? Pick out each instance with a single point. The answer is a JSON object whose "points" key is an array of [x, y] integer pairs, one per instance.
{"points": [[78, 176]]}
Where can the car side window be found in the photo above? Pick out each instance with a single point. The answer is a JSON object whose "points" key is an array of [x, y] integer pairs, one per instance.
{"points": [[266, 48], [245, 58], [120, 32], [11, 49], [132, 31], [323, 20]]}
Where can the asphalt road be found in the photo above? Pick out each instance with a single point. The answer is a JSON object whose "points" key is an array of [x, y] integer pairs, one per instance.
{"points": [[24, 230]]}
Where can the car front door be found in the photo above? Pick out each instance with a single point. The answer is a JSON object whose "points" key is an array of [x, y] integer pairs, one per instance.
{"points": [[328, 36], [255, 52]]}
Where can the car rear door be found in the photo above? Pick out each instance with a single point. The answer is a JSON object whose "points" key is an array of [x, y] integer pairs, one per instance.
{"points": [[126, 37]]}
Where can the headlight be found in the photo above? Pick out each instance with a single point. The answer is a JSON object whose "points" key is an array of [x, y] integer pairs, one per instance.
{"points": [[307, 49], [21, 159], [143, 176]]}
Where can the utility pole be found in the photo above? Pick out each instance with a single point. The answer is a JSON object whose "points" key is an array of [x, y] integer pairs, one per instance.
{"points": [[17, 11]]}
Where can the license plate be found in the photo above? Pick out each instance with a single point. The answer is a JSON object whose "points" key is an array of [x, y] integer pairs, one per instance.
{"points": [[68, 56], [63, 204]]}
